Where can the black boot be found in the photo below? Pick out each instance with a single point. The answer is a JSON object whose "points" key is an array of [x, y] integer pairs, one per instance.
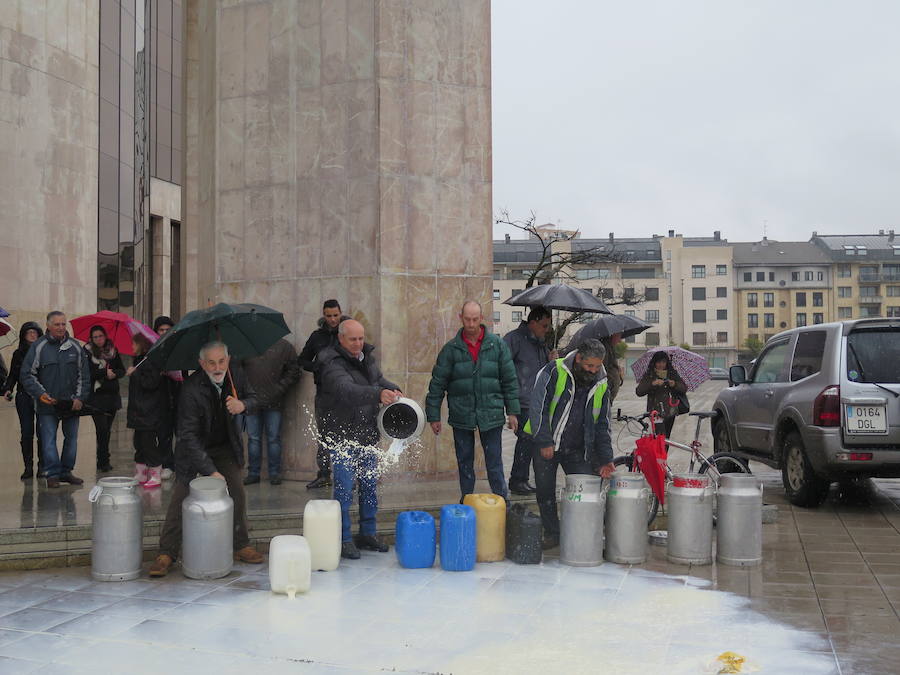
{"points": [[367, 542], [28, 461], [320, 481]]}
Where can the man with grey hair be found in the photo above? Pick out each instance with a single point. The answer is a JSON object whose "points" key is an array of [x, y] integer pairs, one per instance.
{"points": [[569, 421], [56, 374], [476, 372], [209, 444]]}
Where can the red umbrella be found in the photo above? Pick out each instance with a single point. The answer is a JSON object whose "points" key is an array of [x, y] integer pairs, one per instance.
{"points": [[114, 323], [650, 454]]}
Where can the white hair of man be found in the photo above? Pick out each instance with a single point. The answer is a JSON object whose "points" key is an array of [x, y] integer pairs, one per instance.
{"points": [[471, 302], [215, 344]]}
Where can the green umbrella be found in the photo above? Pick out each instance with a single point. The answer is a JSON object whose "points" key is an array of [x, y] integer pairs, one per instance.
{"points": [[248, 330]]}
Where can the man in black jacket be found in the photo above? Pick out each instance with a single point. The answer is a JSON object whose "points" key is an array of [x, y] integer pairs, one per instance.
{"points": [[209, 444], [326, 335], [271, 375], [352, 390]]}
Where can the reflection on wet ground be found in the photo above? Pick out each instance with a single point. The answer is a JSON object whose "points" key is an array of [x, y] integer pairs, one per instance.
{"points": [[825, 599]]}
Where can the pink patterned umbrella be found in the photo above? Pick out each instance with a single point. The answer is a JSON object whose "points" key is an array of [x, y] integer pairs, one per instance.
{"points": [[135, 327], [692, 367]]}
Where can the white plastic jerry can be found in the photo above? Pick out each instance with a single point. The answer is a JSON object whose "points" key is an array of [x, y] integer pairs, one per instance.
{"points": [[289, 565], [322, 529]]}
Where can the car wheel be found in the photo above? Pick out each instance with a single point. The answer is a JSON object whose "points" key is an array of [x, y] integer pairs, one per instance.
{"points": [[721, 438], [801, 485], [652, 502]]}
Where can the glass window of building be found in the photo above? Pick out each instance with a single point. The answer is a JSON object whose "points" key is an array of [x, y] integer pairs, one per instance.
{"points": [[795, 276], [768, 299], [818, 299], [651, 339], [722, 336], [751, 300], [893, 291], [496, 317], [748, 276], [845, 291], [496, 294], [699, 339], [818, 317], [651, 294], [893, 311], [771, 276], [808, 276], [845, 312], [721, 315], [760, 276], [698, 271], [844, 271], [721, 270], [517, 317], [801, 319], [769, 320], [651, 316], [698, 293], [801, 300], [699, 315], [721, 291]]}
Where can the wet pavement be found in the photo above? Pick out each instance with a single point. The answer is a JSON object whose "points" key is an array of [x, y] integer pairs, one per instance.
{"points": [[825, 600]]}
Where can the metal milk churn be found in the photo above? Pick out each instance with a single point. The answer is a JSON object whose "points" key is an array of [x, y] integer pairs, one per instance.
{"points": [[581, 529], [627, 503], [690, 502], [739, 521], [207, 532], [117, 530]]}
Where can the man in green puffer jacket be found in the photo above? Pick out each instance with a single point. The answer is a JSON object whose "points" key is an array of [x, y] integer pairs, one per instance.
{"points": [[476, 371]]}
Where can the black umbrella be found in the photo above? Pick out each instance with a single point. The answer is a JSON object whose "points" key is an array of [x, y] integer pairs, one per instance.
{"points": [[605, 326], [559, 296]]}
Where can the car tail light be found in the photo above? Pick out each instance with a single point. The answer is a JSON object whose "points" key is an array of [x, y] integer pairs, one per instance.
{"points": [[827, 407], [854, 456]]}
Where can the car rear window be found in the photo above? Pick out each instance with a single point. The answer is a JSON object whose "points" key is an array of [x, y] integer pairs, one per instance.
{"points": [[873, 355], [808, 354]]}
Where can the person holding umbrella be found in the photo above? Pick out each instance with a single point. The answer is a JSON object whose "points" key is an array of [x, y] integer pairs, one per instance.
{"points": [[664, 389], [106, 368], [209, 444], [529, 354], [28, 335], [148, 408], [161, 326]]}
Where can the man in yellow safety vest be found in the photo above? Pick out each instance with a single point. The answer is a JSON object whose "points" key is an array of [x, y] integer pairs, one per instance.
{"points": [[569, 421]]}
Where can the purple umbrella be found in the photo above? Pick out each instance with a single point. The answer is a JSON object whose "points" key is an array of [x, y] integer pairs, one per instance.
{"points": [[692, 367], [3, 313]]}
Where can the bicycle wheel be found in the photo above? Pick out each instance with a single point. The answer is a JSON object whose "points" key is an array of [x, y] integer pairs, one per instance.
{"points": [[652, 502], [725, 462]]}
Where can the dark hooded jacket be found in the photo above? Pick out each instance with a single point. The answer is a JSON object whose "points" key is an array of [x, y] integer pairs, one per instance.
{"points": [[322, 337], [148, 398], [15, 366], [104, 392], [58, 368], [350, 394], [529, 355], [659, 396], [272, 373], [197, 412]]}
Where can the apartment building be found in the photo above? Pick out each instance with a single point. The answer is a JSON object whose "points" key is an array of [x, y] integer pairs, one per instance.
{"points": [[780, 285], [866, 270]]}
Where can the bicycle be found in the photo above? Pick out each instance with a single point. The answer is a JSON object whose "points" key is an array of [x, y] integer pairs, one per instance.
{"points": [[716, 464]]}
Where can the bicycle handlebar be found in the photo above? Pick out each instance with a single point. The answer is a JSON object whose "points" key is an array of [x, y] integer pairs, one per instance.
{"points": [[640, 419]]}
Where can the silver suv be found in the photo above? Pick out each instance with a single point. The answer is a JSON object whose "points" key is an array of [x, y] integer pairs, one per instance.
{"points": [[821, 403]]}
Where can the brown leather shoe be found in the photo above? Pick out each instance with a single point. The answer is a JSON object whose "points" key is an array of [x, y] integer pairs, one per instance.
{"points": [[53, 482], [160, 567], [248, 554], [71, 479]]}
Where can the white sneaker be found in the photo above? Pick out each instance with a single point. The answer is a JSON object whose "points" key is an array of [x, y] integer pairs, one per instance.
{"points": [[167, 474]]}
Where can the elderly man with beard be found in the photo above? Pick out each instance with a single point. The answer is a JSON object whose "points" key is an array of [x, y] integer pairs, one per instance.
{"points": [[209, 444], [569, 421]]}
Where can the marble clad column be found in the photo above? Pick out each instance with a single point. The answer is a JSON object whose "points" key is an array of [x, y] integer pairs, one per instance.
{"points": [[342, 148], [49, 89]]}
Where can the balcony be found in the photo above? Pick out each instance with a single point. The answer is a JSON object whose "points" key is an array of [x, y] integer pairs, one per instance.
{"points": [[877, 277], [870, 299]]}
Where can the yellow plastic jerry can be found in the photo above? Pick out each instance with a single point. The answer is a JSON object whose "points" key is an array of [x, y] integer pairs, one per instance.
{"points": [[490, 526]]}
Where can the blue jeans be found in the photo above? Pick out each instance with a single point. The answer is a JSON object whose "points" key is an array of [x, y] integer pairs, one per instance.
{"points": [[270, 421], [492, 443], [354, 465], [47, 426]]}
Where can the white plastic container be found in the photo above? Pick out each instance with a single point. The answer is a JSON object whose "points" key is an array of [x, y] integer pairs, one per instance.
{"points": [[322, 530], [289, 570]]}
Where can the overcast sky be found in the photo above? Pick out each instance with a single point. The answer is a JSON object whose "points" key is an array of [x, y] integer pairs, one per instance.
{"points": [[637, 117]]}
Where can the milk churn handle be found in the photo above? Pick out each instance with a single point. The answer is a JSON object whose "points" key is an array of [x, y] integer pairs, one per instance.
{"points": [[94, 494], [197, 504]]}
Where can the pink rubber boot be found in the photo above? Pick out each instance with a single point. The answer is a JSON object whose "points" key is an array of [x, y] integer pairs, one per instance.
{"points": [[155, 479], [140, 473]]}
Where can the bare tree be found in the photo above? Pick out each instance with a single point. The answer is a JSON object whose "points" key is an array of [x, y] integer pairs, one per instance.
{"points": [[561, 264]]}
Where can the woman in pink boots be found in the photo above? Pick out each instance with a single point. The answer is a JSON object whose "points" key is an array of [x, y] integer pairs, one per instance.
{"points": [[148, 401]]}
